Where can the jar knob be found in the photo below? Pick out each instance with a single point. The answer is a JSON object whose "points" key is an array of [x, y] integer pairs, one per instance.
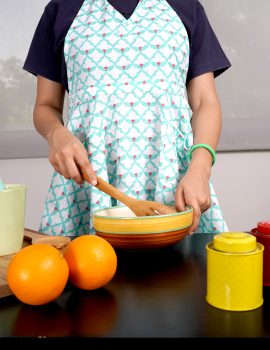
{"points": [[235, 242], [263, 227]]}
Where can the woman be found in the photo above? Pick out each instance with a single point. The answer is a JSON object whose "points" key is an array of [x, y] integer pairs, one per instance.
{"points": [[140, 78]]}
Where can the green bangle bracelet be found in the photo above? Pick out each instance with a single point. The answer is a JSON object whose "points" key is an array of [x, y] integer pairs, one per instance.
{"points": [[202, 145]]}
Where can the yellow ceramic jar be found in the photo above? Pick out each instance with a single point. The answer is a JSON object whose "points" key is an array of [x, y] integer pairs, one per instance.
{"points": [[234, 272]]}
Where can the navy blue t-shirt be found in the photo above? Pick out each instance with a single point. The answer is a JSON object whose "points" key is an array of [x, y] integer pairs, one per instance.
{"points": [[46, 53]]}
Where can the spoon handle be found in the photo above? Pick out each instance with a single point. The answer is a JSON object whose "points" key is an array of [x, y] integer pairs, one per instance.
{"points": [[111, 191]]}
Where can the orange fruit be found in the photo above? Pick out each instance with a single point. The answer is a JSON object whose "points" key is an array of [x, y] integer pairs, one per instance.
{"points": [[37, 274], [92, 262]]}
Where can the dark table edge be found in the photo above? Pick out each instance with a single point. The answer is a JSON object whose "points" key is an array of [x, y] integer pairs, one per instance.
{"points": [[130, 343]]}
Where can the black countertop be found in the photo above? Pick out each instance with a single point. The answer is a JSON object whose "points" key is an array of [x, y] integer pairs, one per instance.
{"points": [[155, 295]]}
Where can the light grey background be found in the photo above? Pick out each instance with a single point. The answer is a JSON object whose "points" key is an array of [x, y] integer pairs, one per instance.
{"points": [[241, 180], [18, 21], [242, 28]]}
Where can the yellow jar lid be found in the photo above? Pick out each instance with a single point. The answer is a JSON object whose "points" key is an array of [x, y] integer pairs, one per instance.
{"points": [[235, 242]]}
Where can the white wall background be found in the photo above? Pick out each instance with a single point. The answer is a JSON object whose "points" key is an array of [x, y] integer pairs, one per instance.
{"points": [[241, 180]]}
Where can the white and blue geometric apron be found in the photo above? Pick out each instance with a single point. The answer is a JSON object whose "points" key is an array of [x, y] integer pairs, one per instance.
{"points": [[128, 106]]}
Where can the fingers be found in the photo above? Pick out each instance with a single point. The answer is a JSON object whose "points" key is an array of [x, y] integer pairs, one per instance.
{"points": [[199, 207], [59, 166], [73, 171], [180, 204], [86, 169], [204, 199], [56, 167], [74, 164], [69, 170], [196, 216], [63, 171], [183, 199], [69, 157]]}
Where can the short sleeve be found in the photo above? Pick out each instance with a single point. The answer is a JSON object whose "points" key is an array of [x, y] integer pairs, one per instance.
{"points": [[206, 53], [42, 58]]}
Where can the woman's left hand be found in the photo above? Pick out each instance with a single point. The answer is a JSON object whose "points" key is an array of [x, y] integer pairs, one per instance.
{"points": [[193, 190]]}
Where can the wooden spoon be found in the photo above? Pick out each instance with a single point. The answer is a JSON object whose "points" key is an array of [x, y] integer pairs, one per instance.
{"points": [[58, 242], [139, 207]]}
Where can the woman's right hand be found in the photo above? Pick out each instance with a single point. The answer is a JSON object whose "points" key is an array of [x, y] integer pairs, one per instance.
{"points": [[66, 153], [69, 157]]}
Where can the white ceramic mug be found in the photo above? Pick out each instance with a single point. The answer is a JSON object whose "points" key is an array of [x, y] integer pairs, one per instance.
{"points": [[12, 218]]}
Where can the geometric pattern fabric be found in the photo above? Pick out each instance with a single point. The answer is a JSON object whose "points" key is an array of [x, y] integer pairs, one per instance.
{"points": [[128, 106]]}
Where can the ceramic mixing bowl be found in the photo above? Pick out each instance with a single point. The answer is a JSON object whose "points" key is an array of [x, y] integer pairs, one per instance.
{"points": [[120, 227]]}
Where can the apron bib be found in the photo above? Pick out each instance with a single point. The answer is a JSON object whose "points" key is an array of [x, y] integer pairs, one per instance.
{"points": [[128, 106]]}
